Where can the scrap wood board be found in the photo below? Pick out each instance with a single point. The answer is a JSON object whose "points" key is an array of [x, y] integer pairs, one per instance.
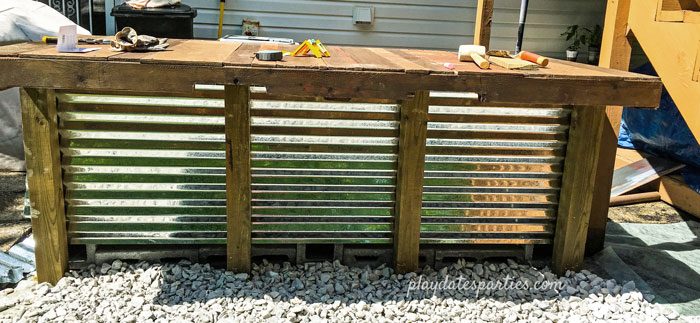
{"points": [[641, 172]]}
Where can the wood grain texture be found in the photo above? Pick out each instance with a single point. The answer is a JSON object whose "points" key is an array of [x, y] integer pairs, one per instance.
{"points": [[138, 56], [672, 48], [413, 131], [194, 52], [676, 192], [16, 49], [238, 178], [482, 25], [50, 51], [357, 73], [616, 52], [578, 183], [42, 153]]}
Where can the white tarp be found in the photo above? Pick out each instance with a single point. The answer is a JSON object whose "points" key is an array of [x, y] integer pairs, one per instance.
{"points": [[20, 21]]}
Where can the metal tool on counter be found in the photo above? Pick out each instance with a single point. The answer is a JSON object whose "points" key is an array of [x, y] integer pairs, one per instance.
{"points": [[54, 40], [314, 46], [269, 55]]}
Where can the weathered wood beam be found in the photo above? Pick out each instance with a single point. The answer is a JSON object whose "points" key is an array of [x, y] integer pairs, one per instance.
{"points": [[482, 25], [43, 157], [616, 52], [578, 184], [413, 131], [502, 87], [238, 178]]}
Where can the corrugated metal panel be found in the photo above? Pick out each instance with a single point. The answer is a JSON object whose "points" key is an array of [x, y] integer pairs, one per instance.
{"points": [[492, 174], [151, 170], [438, 24], [18, 261]]}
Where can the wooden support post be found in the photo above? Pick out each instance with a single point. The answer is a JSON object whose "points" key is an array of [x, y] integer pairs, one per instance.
{"points": [[482, 25], [43, 157], [616, 52], [238, 178], [413, 131], [578, 182]]}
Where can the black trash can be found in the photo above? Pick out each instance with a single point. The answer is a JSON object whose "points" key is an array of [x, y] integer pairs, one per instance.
{"points": [[170, 22]]}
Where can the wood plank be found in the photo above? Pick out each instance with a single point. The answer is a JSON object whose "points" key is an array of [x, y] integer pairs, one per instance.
{"points": [[624, 157], [340, 59], [371, 61], [578, 183], [405, 64], [243, 55], [413, 131], [616, 52], [138, 56], [691, 17], [432, 67], [16, 49], [482, 25], [238, 178], [50, 52], [696, 69], [195, 52], [337, 84], [677, 193], [43, 157], [439, 58]]}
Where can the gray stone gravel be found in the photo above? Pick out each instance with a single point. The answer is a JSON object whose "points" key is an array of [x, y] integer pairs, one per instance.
{"points": [[321, 292]]}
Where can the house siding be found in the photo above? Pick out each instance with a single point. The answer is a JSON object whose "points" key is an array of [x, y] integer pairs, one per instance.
{"points": [[433, 24]]}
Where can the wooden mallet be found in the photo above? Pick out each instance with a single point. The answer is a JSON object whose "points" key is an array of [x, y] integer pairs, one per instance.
{"points": [[473, 53]]}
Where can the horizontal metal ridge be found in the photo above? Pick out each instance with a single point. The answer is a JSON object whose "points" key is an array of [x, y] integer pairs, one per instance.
{"points": [[520, 112]]}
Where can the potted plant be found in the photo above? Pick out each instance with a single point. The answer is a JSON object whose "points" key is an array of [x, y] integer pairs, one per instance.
{"points": [[594, 38], [573, 34]]}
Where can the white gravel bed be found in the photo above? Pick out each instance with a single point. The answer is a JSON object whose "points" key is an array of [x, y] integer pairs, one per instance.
{"points": [[322, 292]]}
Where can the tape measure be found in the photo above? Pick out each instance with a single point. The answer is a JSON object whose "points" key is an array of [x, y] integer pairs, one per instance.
{"points": [[269, 55]]}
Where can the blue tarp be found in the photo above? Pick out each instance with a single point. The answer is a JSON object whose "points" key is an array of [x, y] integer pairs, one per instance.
{"points": [[662, 132]]}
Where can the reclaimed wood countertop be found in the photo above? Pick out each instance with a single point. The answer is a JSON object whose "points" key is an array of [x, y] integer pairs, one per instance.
{"points": [[350, 72]]}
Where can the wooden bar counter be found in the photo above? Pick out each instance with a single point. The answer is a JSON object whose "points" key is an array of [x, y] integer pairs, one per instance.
{"points": [[413, 80]]}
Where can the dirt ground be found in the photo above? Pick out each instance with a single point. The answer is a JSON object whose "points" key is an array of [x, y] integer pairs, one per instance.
{"points": [[654, 212], [13, 225]]}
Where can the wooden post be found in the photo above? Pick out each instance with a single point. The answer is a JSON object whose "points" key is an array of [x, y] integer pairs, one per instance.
{"points": [[615, 53], [578, 183], [413, 131], [238, 178], [43, 157], [482, 25]]}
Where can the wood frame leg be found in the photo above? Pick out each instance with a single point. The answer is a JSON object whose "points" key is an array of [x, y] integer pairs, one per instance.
{"points": [[578, 184], [238, 178], [43, 158], [413, 131], [616, 52]]}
